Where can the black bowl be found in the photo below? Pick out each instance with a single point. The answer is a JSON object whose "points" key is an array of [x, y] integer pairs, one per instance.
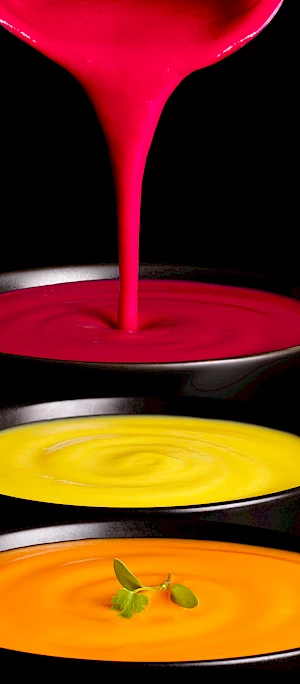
{"points": [[28, 379], [278, 667], [279, 511]]}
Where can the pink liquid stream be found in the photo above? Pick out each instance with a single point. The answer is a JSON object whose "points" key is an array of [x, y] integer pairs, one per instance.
{"points": [[129, 56]]}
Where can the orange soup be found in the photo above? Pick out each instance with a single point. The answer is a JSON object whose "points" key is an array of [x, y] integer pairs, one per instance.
{"points": [[55, 600]]}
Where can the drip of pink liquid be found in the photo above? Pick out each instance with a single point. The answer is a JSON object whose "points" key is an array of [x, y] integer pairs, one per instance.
{"points": [[130, 55]]}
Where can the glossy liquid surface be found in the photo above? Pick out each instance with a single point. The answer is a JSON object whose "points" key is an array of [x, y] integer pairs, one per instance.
{"points": [[145, 461], [55, 600], [179, 321]]}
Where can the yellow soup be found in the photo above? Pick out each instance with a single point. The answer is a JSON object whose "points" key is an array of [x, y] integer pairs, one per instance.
{"points": [[145, 461], [55, 600]]}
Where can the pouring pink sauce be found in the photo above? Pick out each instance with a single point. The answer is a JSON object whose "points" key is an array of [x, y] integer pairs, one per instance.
{"points": [[130, 55]]}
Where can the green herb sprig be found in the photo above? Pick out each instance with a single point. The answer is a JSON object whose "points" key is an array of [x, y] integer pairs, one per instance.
{"points": [[130, 600]]}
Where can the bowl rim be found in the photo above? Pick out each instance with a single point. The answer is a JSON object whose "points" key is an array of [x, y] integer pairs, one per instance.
{"points": [[16, 280], [79, 408], [84, 531]]}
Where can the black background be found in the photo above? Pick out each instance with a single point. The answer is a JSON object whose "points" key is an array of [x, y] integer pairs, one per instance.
{"points": [[219, 187]]}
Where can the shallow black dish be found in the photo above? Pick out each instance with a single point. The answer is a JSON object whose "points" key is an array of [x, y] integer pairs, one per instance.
{"points": [[27, 379], [279, 511], [277, 667]]}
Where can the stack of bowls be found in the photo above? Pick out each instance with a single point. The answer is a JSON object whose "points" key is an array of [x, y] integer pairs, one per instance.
{"points": [[217, 471]]}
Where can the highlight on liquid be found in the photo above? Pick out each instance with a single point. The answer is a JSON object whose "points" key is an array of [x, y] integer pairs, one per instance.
{"points": [[178, 321], [55, 600], [129, 56], [145, 461]]}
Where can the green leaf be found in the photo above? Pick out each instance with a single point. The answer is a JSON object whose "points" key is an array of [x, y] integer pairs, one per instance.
{"points": [[129, 600], [183, 596], [125, 577], [129, 603]]}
